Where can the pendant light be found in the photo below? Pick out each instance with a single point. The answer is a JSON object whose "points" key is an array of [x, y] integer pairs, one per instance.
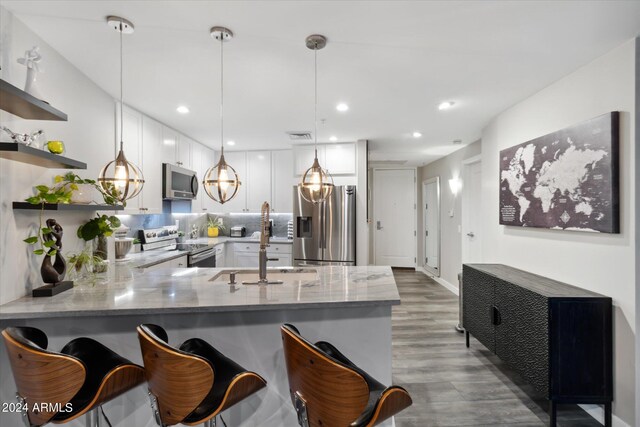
{"points": [[316, 184], [221, 182], [120, 174]]}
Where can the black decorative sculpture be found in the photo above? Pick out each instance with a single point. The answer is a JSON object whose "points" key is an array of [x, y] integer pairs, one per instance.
{"points": [[53, 273]]}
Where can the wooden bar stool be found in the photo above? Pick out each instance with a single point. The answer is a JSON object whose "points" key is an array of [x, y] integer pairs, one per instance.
{"points": [[328, 390], [60, 387], [191, 384]]}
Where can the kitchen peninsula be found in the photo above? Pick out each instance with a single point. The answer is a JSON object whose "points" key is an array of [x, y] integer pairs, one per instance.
{"points": [[349, 305]]}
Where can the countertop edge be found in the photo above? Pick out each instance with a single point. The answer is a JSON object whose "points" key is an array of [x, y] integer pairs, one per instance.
{"points": [[184, 310]]}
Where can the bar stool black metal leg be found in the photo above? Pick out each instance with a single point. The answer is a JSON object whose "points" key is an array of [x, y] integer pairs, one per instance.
{"points": [[466, 337], [212, 422], [607, 414], [93, 418], [553, 414]]}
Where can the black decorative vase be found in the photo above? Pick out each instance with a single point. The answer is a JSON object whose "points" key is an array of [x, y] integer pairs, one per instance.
{"points": [[53, 273]]}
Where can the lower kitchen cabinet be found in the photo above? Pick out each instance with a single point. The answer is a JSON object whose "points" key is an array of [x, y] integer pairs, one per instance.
{"points": [[245, 255], [180, 262], [221, 259]]}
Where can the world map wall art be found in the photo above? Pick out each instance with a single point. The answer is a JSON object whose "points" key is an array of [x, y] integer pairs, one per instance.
{"points": [[566, 180]]}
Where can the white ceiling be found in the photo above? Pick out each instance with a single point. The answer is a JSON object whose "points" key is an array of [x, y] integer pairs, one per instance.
{"points": [[393, 62]]}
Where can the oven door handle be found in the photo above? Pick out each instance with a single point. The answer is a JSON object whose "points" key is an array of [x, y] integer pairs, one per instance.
{"points": [[194, 185], [202, 255]]}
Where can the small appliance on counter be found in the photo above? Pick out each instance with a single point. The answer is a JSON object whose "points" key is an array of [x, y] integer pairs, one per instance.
{"points": [[198, 254], [238, 231], [123, 243]]}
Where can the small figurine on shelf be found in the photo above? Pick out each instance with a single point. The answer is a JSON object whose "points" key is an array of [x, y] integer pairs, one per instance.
{"points": [[31, 59], [53, 273], [24, 138]]}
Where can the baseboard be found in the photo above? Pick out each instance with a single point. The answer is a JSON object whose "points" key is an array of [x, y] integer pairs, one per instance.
{"points": [[597, 413], [453, 289]]}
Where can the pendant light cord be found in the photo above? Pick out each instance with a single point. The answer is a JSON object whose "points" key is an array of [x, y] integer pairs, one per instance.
{"points": [[222, 92], [121, 84], [315, 112]]}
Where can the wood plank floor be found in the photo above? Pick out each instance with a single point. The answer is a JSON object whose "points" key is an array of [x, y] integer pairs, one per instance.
{"points": [[450, 384]]}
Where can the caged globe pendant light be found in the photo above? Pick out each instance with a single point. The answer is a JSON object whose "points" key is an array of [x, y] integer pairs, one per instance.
{"points": [[316, 184], [120, 177], [221, 182]]}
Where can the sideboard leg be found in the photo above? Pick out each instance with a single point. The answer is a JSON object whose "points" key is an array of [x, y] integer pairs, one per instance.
{"points": [[466, 338], [552, 414], [607, 414]]}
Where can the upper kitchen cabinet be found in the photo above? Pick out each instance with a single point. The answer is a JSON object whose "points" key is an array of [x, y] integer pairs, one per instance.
{"points": [[303, 157], [132, 138], [282, 176], [258, 179], [340, 159], [238, 161], [151, 196], [183, 152], [202, 159], [169, 145]]}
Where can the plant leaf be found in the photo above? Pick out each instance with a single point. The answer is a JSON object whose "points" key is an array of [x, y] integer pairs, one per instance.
{"points": [[31, 240], [35, 200], [38, 251], [53, 252], [46, 230], [49, 243], [42, 188], [58, 179]]}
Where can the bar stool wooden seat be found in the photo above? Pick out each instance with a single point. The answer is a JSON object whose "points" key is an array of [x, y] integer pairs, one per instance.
{"points": [[194, 383], [60, 387], [327, 389]]}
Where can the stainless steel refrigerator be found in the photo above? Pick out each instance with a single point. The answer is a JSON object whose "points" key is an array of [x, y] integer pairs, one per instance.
{"points": [[325, 234]]}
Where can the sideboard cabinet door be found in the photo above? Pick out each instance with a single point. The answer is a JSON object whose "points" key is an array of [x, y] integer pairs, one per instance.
{"points": [[477, 305]]}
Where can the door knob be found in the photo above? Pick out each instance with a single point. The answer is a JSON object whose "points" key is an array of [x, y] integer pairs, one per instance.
{"points": [[470, 234], [378, 226]]}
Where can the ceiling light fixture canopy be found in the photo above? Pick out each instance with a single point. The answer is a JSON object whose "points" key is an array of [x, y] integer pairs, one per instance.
{"points": [[316, 184], [221, 182], [120, 177]]}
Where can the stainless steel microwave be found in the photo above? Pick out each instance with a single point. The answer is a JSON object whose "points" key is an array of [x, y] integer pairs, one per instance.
{"points": [[178, 183]]}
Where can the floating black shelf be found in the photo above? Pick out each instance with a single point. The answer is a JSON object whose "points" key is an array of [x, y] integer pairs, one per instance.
{"points": [[20, 103], [66, 207], [25, 154]]}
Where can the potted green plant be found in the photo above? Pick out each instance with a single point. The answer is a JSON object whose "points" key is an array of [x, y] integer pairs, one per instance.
{"points": [[97, 230], [85, 265], [83, 190], [215, 226]]}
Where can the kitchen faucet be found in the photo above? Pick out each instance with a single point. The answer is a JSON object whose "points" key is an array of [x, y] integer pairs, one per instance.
{"points": [[262, 253]]}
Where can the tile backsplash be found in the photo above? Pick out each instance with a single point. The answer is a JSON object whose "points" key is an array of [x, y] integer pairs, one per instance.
{"points": [[185, 221]]}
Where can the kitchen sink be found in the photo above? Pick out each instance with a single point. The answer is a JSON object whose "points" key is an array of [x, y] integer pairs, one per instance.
{"points": [[285, 275]]}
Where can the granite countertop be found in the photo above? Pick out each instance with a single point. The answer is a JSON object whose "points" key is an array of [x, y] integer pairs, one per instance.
{"points": [[133, 291], [157, 256]]}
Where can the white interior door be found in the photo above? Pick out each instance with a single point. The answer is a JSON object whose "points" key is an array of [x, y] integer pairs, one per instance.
{"points": [[471, 213], [431, 206], [394, 216]]}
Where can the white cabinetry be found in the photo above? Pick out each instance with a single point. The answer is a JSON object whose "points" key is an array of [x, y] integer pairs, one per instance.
{"points": [[237, 160], [282, 184], [258, 181], [245, 255], [180, 262], [151, 196], [132, 138], [220, 255], [340, 159], [169, 145], [209, 158], [183, 152], [303, 158]]}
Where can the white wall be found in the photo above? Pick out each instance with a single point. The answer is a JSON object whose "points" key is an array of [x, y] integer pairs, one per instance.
{"points": [[88, 136], [603, 263], [450, 237]]}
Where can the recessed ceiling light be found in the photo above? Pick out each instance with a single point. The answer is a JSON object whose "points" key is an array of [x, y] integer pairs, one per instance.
{"points": [[417, 134], [333, 138], [446, 105], [342, 107], [231, 143], [182, 109]]}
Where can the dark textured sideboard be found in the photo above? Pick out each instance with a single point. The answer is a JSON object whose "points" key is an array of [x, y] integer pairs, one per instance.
{"points": [[557, 336]]}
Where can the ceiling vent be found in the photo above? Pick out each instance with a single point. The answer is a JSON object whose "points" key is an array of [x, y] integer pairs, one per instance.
{"points": [[299, 136], [374, 163]]}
